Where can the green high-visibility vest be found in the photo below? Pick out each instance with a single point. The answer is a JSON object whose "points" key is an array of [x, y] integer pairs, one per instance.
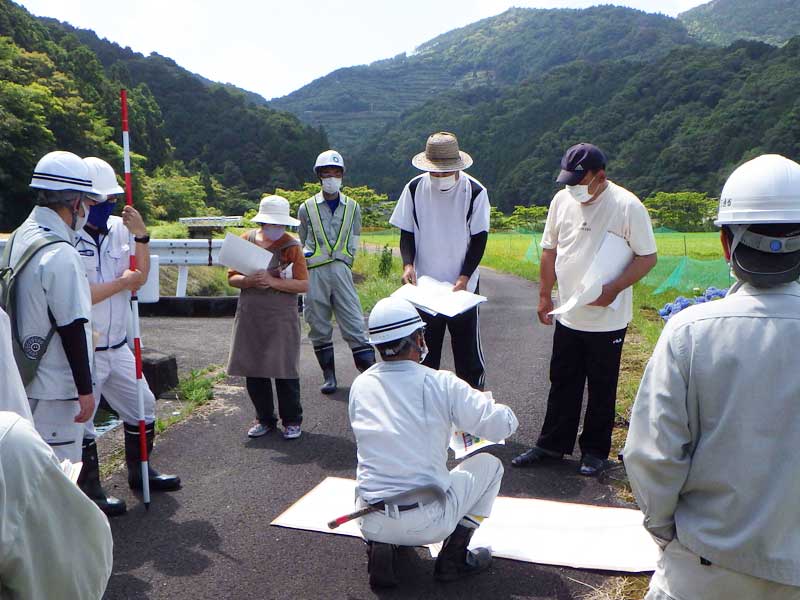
{"points": [[324, 251]]}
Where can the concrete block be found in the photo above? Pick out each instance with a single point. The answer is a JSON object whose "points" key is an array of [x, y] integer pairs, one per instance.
{"points": [[160, 370]]}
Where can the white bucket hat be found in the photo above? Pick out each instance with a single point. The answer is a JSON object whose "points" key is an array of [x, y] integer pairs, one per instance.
{"points": [[274, 210]]}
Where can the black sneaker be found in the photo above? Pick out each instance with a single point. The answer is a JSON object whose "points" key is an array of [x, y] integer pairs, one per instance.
{"points": [[591, 465], [535, 456]]}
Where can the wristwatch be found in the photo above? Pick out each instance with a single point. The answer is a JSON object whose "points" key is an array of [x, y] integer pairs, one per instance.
{"points": [[145, 239]]}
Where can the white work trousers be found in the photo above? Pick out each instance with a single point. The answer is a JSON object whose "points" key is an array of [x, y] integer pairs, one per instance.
{"points": [[115, 378], [680, 575], [331, 291], [55, 422], [474, 485]]}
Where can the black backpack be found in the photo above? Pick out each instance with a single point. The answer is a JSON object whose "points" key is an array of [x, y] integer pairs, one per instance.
{"points": [[27, 356]]}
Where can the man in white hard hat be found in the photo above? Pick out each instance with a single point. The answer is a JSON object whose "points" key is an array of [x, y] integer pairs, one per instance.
{"points": [[53, 302], [330, 225], [588, 340], [443, 217], [55, 543], [712, 445], [402, 414], [104, 244]]}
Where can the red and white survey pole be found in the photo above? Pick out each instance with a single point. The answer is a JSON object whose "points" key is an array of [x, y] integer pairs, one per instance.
{"points": [[137, 342]]}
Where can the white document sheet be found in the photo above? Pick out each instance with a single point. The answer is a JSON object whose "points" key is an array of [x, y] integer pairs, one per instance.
{"points": [[610, 261], [463, 444], [243, 256], [71, 469], [525, 529], [437, 297]]}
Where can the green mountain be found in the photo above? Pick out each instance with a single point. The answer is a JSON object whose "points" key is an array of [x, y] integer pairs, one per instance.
{"points": [[353, 103], [682, 122], [722, 22], [197, 146]]}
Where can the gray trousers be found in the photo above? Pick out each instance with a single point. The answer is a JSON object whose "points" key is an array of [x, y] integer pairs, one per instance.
{"points": [[331, 291]]}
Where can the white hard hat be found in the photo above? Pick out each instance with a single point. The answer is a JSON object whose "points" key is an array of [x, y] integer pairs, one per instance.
{"points": [[761, 191], [393, 319], [329, 158], [274, 210], [103, 178], [61, 170]]}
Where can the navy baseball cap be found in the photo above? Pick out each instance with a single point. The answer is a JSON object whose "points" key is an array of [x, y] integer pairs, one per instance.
{"points": [[579, 159]]}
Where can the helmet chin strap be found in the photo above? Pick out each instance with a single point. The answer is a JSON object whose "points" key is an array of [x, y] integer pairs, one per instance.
{"points": [[738, 232]]}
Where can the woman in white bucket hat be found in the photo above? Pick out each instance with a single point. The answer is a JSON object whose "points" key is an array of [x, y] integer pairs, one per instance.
{"points": [[266, 330]]}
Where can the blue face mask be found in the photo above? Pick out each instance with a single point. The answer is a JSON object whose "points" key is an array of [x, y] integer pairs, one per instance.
{"points": [[99, 213]]}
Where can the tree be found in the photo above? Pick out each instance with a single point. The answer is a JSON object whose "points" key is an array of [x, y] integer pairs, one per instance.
{"points": [[682, 211]]}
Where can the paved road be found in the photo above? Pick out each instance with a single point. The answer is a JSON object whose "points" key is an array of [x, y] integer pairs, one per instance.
{"points": [[213, 540]]}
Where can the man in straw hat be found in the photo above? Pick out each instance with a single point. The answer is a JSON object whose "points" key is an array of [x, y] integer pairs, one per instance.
{"points": [[443, 217], [712, 446], [587, 342], [330, 224]]}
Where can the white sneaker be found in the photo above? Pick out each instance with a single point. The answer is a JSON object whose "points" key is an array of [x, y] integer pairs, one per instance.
{"points": [[292, 432], [258, 429]]}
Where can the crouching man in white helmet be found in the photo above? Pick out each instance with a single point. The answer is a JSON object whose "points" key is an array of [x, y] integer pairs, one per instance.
{"points": [[330, 225], [712, 448], [104, 245], [402, 414], [51, 304]]}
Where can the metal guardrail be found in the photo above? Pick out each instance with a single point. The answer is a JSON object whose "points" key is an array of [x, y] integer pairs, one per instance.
{"points": [[211, 221], [183, 253]]}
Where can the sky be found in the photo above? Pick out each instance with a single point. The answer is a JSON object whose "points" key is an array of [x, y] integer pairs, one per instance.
{"points": [[275, 47]]}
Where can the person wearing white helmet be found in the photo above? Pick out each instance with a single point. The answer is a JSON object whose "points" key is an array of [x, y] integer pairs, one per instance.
{"points": [[330, 225], [402, 414], [52, 303], [104, 243], [711, 449]]}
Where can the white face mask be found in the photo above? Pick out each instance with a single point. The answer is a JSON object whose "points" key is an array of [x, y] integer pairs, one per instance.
{"points": [[80, 221], [272, 232], [331, 185], [443, 183], [581, 192], [423, 353]]}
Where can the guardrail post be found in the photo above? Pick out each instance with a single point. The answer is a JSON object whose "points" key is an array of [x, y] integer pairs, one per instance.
{"points": [[183, 278]]}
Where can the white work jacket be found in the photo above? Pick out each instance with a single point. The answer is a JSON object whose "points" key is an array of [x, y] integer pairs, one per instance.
{"points": [[402, 415], [12, 396], [54, 541], [56, 279], [712, 447], [105, 262]]}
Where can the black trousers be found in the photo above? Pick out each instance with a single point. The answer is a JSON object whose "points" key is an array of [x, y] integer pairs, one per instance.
{"points": [[578, 357], [465, 338], [260, 391]]}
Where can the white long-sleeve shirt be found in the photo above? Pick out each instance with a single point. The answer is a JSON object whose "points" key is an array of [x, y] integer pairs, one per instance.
{"points": [[712, 448], [402, 415], [12, 392], [54, 541]]}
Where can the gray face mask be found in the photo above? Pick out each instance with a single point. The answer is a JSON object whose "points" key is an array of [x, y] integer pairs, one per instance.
{"points": [[77, 221]]}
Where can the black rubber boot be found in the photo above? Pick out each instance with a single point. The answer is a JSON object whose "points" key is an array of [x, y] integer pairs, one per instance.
{"points": [[325, 358], [380, 564], [364, 358], [89, 482], [158, 482], [455, 561]]}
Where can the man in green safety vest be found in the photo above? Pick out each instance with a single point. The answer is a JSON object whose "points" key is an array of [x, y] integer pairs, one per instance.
{"points": [[330, 224]]}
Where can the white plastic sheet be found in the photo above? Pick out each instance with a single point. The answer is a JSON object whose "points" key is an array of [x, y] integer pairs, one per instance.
{"points": [[610, 261], [243, 256], [437, 297], [525, 529]]}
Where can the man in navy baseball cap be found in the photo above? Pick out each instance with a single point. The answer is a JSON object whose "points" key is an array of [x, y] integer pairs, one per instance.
{"points": [[579, 160]]}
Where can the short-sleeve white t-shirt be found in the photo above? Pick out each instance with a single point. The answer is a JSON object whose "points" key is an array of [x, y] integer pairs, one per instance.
{"points": [[441, 230], [576, 230]]}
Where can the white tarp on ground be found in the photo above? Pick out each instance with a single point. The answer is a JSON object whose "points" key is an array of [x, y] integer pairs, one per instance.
{"points": [[530, 530]]}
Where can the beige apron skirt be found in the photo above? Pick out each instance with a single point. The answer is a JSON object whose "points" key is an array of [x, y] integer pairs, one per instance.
{"points": [[266, 335]]}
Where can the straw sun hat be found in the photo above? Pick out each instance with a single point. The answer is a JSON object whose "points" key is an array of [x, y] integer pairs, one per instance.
{"points": [[442, 155], [274, 210]]}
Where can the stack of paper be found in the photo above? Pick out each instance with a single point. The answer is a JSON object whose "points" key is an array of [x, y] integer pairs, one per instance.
{"points": [[437, 297], [610, 261], [243, 256]]}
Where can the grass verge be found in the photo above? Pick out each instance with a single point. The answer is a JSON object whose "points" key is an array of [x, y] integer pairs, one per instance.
{"points": [[194, 391]]}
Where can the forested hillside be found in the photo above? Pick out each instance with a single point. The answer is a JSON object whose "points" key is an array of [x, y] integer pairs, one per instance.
{"points": [[680, 123], [722, 22], [355, 102], [197, 145]]}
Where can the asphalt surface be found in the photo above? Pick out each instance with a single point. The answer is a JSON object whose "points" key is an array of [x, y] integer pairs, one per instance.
{"points": [[212, 539]]}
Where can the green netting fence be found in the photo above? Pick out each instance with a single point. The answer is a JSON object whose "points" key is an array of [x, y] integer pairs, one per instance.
{"points": [[684, 274]]}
